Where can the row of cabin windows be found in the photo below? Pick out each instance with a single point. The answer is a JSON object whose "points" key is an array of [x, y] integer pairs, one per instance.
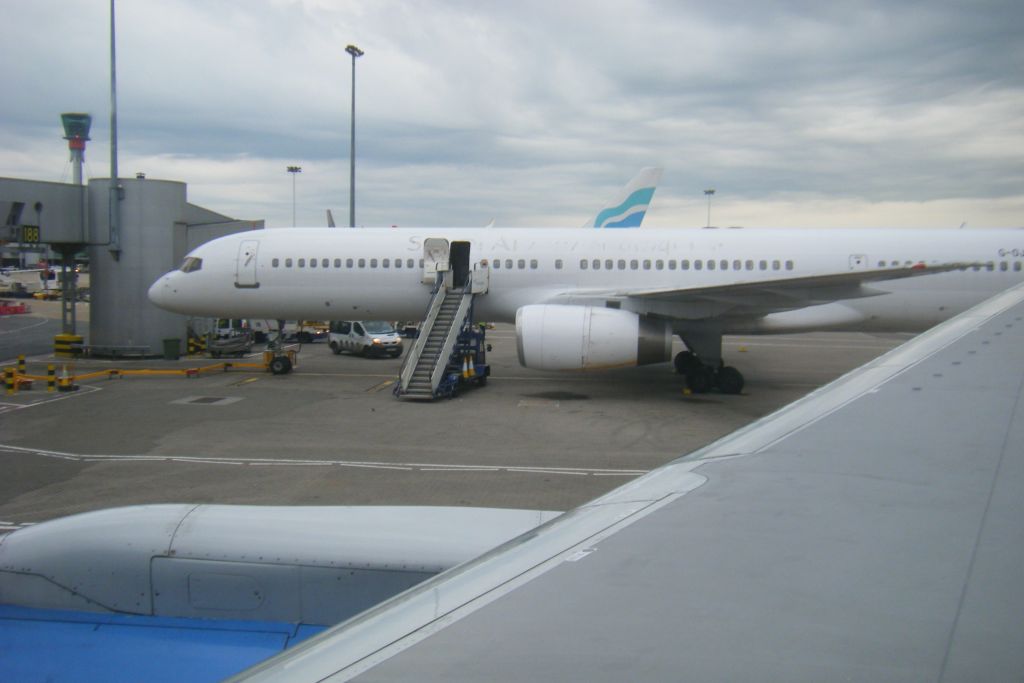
{"points": [[990, 266], [349, 263], [598, 264], [685, 264]]}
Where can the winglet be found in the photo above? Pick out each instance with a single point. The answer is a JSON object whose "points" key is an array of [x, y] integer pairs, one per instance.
{"points": [[628, 207], [330, 219]]}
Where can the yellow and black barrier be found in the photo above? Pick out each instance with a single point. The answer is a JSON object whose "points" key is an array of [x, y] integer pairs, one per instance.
{"points": [[67, 345], [9, 384], [196, 345]]}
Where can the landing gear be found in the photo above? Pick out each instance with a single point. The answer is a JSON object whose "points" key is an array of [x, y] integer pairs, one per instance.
{"points": [[702, 378]]}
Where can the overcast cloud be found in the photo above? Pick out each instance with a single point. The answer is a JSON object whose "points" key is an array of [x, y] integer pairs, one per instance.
{"points": [[535, 113]]}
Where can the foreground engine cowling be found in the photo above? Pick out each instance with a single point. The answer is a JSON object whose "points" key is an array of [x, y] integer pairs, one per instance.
{"points": [[589, 338]]}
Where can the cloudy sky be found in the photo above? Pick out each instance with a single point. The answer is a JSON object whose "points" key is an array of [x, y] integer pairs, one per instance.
{"points": [[535, 112]]}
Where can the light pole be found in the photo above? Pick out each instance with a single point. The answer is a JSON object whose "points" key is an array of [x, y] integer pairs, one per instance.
{"points": [[708, 193], [294, 170], [355, 52]]}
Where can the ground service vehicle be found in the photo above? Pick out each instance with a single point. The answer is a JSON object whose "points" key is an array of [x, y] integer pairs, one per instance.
{"points": [[365, 337]]}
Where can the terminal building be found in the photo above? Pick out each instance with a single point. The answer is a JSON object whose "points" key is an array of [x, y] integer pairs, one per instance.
{"points": [[151, 228]]}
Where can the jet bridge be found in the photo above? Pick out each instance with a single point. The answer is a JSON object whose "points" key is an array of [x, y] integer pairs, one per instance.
{"points": [[450, 348]]}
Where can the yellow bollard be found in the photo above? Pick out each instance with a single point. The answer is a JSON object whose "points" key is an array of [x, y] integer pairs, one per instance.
{"points": [[21, 364], [51, 377], [9, 382]]}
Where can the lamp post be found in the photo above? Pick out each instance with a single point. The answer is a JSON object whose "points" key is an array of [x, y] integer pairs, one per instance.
{"points": [[294, 170], [708, 193], [355, 52]]}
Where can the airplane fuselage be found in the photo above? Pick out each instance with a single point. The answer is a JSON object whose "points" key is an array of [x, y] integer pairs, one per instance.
{"points": [[319, 273]]}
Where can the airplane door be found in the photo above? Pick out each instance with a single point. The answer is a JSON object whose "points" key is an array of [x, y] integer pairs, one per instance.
{"points": [[858, 261], [435, 258], [245, 273], [458, 255]]}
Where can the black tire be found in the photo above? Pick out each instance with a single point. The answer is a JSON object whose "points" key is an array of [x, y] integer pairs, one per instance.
{"points": [[336, 348], [365, 353], [280, 365], [685, 361], [700, 379], [729, 380], [395, 354]]}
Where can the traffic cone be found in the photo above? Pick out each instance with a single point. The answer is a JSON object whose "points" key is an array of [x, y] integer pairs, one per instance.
{"points": [[465, 368], [472, 370]]}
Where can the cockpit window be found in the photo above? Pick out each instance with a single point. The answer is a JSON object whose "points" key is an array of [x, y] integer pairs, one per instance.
{"points": [[191, 264]]}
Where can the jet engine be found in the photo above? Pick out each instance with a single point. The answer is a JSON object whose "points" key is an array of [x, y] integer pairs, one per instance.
{"points": [[589, 338]]}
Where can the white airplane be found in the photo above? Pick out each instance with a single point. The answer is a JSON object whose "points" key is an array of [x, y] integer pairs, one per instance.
{"points": [[592, 299]]}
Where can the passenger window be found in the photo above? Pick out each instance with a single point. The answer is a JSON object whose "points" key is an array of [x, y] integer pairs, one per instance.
{"points": [[1016, 266], [789, 265], [990, 266], [609, 264], [698, 264], [776, 265], [558, 264], [508, 264], [633, 264], [723, 265], [325, 263], [312, 263], [762, 265], [497, 264], [287, 263], [533, 264], [358, 329], [684, 264], [398, 263], [711, 264], [410, 263], [302, 263], [672, 264], [737, 265], [659, 265], [647, 264], [583, 264], [337, 263], [345, 327], [750, 264], [362, 263], [881, 264], [275, 262], [373, 263], [385, 263], [421, 263], [348, 263], [596, 264], [622, 264], [521, 263]]}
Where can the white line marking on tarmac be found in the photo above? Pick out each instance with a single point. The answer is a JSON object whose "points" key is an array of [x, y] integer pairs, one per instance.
{"points": [[362, 464]]}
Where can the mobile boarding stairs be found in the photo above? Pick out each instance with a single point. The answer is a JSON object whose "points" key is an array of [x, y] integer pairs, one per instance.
{"points": [[450, 349]]}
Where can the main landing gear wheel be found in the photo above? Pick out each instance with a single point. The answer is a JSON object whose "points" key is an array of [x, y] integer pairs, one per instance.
{"points": [[701, 378], [280, 365], [729, 380]]}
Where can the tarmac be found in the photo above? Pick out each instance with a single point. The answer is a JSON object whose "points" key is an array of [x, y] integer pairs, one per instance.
{"points": [[332, 433]]}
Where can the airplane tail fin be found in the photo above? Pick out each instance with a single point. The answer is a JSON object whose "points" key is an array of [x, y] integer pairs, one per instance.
{"points": [[628, 208], [330, 219]]}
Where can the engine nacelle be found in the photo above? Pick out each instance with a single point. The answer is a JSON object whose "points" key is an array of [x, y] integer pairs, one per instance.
{"points": [[589, 338]]}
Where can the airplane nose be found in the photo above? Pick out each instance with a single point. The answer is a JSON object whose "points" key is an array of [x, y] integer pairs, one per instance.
{"points": [[160, 292]]}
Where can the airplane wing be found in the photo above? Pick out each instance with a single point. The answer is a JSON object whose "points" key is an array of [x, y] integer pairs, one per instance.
{"points": [[759, 297], [869, 531]]}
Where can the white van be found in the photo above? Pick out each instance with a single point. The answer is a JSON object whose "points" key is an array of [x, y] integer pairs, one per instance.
{"points": [[365, 337]]}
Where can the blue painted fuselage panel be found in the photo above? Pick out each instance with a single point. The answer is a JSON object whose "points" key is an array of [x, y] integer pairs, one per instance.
{"points": [[58, 645]]}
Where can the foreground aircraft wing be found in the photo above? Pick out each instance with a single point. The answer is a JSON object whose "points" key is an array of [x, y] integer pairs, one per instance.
{"points": [[628, 208], [869, 531]]}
